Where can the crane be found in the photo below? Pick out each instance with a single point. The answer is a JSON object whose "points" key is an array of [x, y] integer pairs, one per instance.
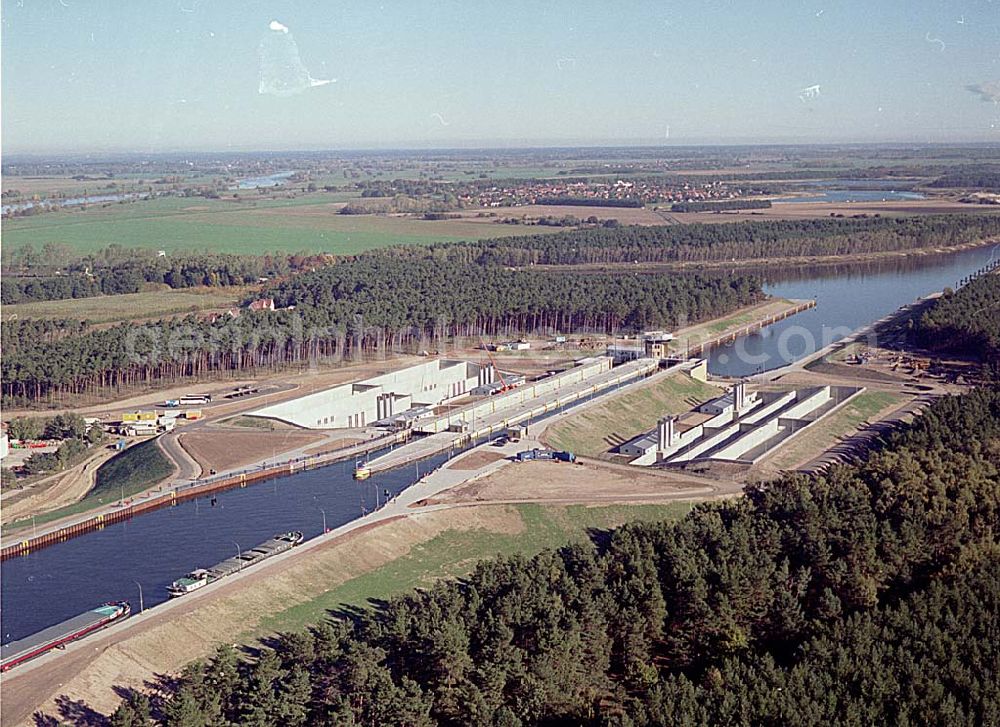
{"points": [[503, 384]]}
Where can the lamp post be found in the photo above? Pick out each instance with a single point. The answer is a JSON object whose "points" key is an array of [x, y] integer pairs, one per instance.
{"points": [[324, 519], [141, 605], [239, 554]]}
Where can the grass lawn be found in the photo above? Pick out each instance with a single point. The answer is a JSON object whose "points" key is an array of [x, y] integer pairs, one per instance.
{"points": [[308, 223], [131, 306], [603, 426], [455, 553]]}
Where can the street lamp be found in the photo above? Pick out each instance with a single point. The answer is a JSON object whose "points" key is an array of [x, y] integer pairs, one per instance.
{"points": [[324, 519], [141, 606], [239, 554]]}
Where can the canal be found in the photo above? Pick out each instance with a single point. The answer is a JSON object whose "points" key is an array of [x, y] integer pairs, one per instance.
{"points": [[847, 298], [62, 580], [55, 583]]}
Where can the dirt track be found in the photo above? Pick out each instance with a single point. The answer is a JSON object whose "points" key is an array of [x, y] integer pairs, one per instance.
{"points": [[57, 491], [587, 481]]}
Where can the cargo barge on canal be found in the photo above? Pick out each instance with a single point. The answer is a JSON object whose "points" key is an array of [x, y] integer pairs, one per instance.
{"points": [[245, 558], [54, 637]]}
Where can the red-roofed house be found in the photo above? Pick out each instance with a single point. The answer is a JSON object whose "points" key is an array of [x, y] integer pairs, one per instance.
{"points": [[262, 304]]}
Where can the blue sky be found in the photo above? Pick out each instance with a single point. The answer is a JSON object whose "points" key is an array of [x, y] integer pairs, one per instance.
{"points": [[169, 75]]}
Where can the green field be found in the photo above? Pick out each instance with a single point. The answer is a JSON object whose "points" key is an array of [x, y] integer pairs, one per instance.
{"points": [[309, 223], [599, 428], [130, 306], [455, 553]]}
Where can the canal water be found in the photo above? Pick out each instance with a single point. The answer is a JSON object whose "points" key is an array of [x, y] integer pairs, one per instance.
{"points": [[851, 195], [847, 298], [63, 580]]}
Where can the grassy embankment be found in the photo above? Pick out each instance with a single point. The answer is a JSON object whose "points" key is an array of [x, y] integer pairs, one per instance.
{"points": [[455, 552], [136, 469], [712, 329], [601, 427], [866, 406]]}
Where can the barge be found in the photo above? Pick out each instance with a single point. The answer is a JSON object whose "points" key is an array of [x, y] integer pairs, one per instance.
{"points": [[54, 637], [203, 576]]}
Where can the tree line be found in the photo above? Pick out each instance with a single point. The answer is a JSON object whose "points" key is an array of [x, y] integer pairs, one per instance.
{"points": [[357, 308], [56, 273], [721, 205], [965, 321], [866, 595], [69, 429], [752, 240], [987, 178], [589, 202]]}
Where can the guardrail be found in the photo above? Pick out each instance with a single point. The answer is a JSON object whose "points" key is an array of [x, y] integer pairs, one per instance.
{"points": [[191, 490]]}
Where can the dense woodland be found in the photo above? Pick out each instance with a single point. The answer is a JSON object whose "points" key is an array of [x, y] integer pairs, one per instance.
{"points": [[986, 178], [55, 273], [868, 595], [588, 202], [721, 205], [410, 297], [356, 308], [756, 240], [966, 321]]}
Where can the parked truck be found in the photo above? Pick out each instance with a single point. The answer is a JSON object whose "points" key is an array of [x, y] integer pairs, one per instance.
{"points": [[529, 455]]}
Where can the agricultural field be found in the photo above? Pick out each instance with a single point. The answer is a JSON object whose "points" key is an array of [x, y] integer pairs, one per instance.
{"points": [[599, 428], [308, 223], [131, 306]]}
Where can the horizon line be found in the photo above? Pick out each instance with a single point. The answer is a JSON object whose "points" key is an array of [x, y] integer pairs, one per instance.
{"points": [[492, 145]]}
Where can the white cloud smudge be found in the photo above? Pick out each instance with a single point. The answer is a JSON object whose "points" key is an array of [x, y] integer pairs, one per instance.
{"points": [[988, 91], [282, 72]]}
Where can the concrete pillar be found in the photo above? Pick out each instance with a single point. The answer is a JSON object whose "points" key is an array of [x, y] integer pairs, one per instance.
{"points": [[739, 397], [665, 433]]}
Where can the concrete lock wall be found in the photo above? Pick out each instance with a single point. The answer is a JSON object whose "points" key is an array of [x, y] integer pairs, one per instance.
{"points": [[808, 404], [754, 437], [768, 409], [683, 440], [360, 403], [587, 369], [726, 417], [645, 460], [711, 440]]}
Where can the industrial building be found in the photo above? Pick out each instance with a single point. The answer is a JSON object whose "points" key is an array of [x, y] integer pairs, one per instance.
{"points": [[653, 344], [740, 427], [584, 370], [384, 398]]}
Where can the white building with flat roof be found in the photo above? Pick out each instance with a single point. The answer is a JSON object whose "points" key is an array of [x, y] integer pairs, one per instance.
{"points": [[362, 403]]}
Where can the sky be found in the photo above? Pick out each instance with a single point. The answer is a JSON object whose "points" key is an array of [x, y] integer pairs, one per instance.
{"points": [[204, 75]]}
